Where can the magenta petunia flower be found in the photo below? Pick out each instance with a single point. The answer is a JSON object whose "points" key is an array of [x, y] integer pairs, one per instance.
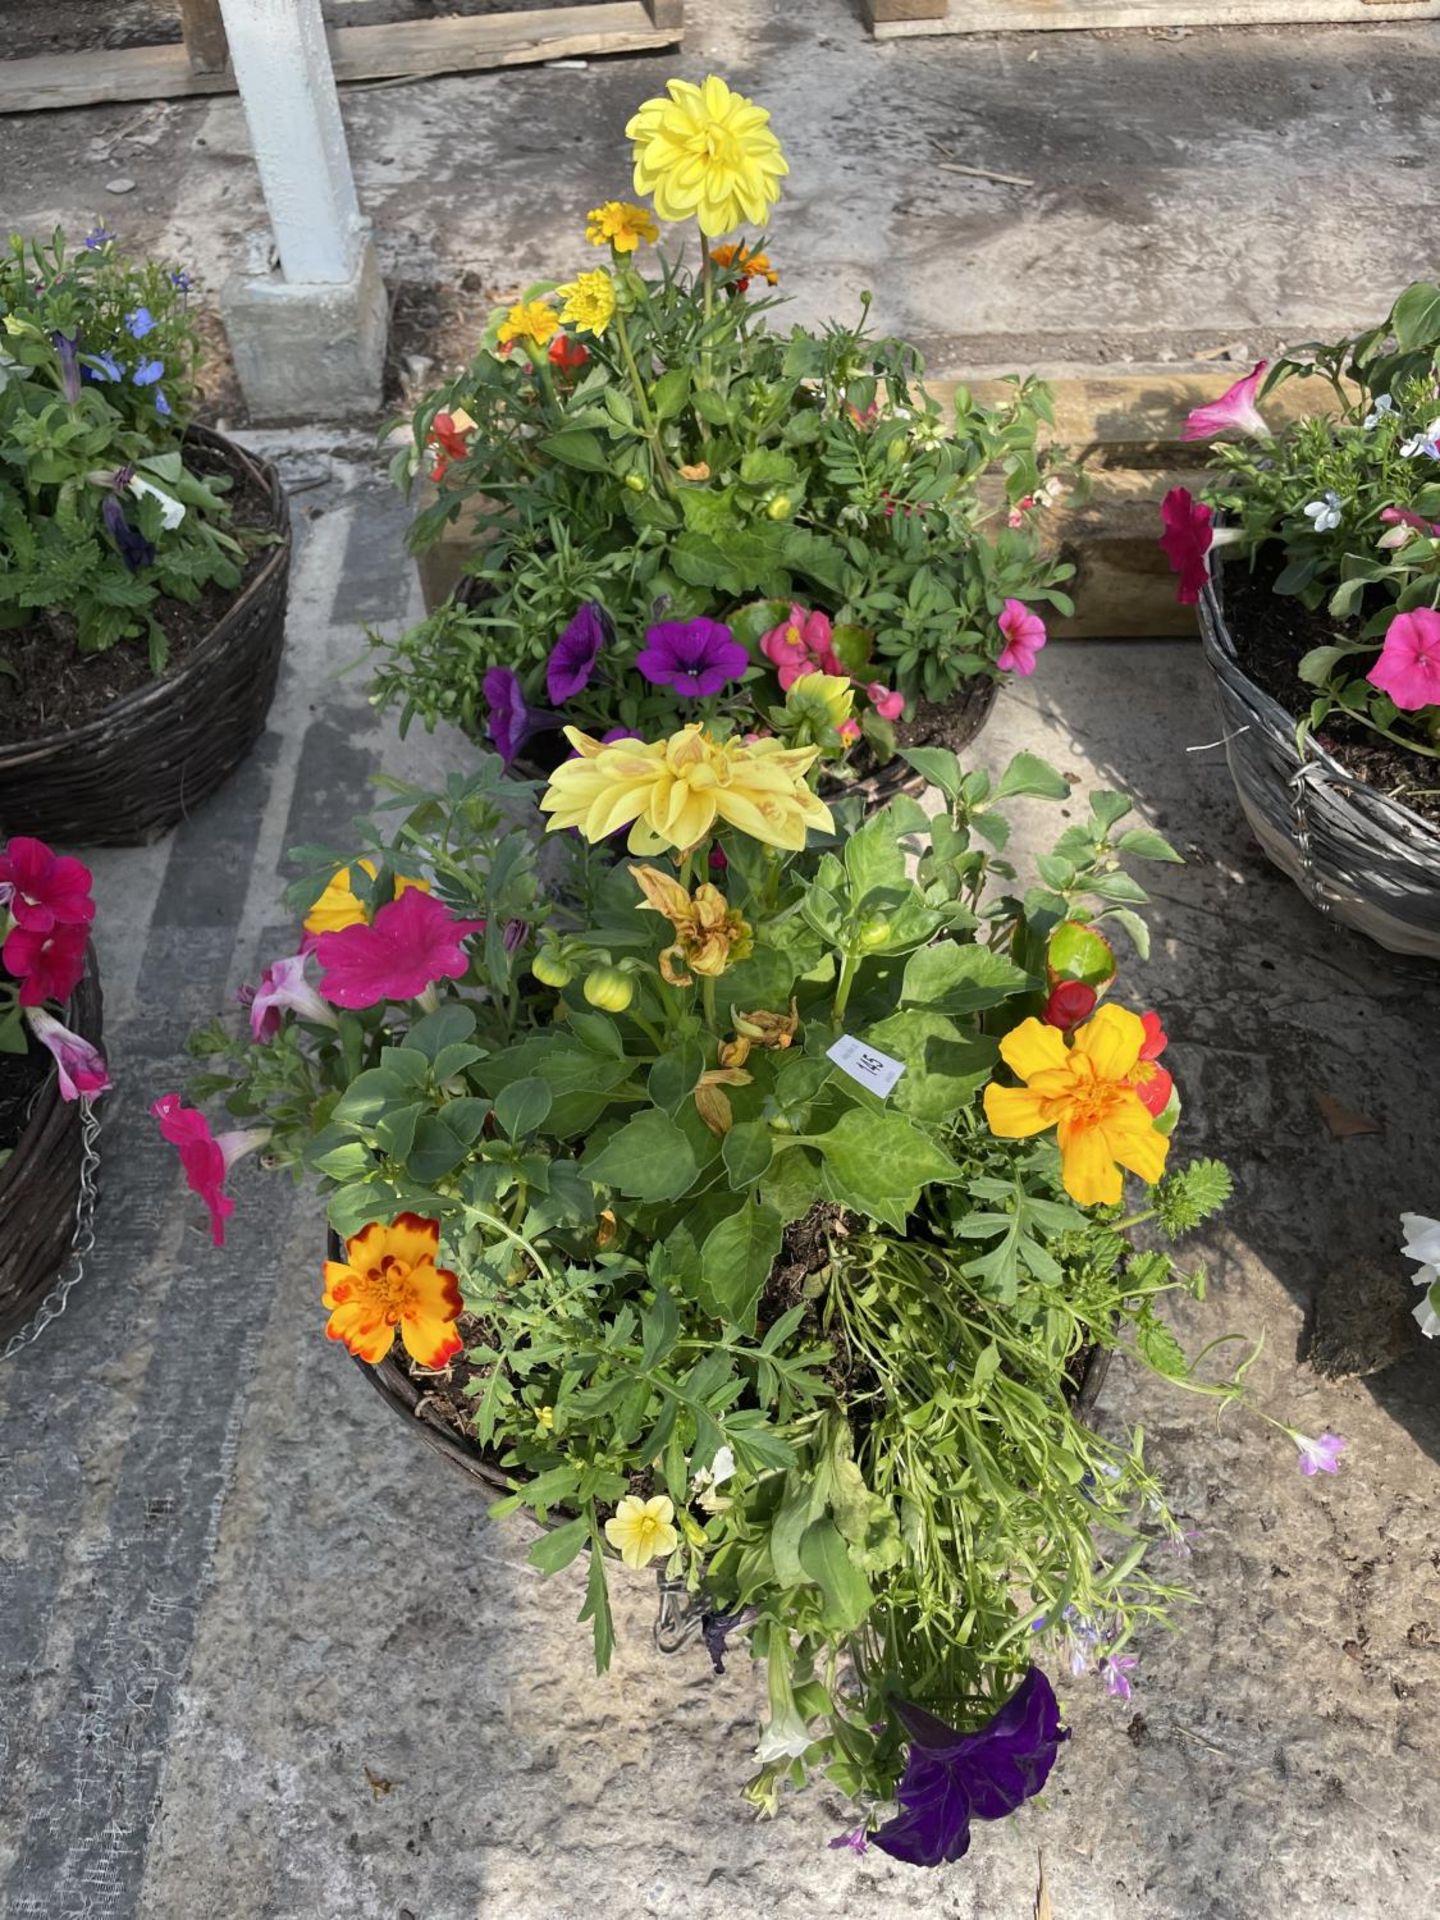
{"points": [[692, 657], [205, 1157], [1235, 408], [43, 889], [509, 717], [1319, 1456], [1409, 665], [1189, 531], [411, 943], [1403, 524], [284, 989], [1024, 633], [572, 658], [81, 1067], [47, 965]]}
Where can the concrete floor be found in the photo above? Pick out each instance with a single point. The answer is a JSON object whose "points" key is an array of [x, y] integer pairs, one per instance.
{"points": [[262, 1656]]}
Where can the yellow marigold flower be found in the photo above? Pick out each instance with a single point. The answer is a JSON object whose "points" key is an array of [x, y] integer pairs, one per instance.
{"points": [[389, 1279], [589, 301], [675, 790], [751, 266], [338, 908], [1086, 1092], [710, 934], [529, 320], [707, 153], [622, 225], [641, 1530]]}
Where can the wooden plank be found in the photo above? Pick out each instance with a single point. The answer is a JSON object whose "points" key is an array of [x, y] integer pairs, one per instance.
{"points": [[204, 33], [1030, 16], [877, 11], [669, 14], [415, 48]]}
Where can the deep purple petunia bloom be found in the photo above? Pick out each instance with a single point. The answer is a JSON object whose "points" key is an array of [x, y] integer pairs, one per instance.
{"points": [[693, 657], [572, 658], [135, 550], [509, 716], [953, 1777], [68, 350]]}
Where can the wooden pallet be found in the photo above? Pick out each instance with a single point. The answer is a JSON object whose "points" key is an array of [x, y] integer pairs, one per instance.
{"points": [[407, 49], [1123, 430], [892, 19]]}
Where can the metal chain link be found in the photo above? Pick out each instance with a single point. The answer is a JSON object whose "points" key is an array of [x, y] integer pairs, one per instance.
{"points": [[680, 1617], [1300, 784], [81, 1243]]}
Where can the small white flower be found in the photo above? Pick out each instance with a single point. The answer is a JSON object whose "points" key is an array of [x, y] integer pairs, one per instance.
{"points": [[1427, 1314], [1383, 404], [720, 1469], [1422, 1243], [1427, 443], [172, 511], [1324, 513]]}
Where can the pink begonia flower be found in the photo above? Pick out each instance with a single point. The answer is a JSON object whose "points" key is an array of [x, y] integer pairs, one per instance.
{"points": [[1024, 633], [1403, 525], [887, 702], [1319, 1456], [284, 989], [1235, 408], [42, 889], [411, 943], [206, 1157], [849, 731], [81, 1067], [802, 644], [1409, 665], [1188, 536]]}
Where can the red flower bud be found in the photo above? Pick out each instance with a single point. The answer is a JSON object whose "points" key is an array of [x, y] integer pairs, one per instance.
{"points": [[1070, 1002]]}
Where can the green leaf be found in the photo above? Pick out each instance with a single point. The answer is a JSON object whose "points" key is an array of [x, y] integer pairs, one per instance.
{"points": [[368, 1095], [943, 1066], [435, 1150], [446, 1027], [1136, 928], [597, 1609], [1109, 808], [876, 1164], [670, 392], [736, 1259], [939, 766], [577, 449], [522, 1106], [826, 1561], [648, 1159], [1143, 843], [953, 978], [747, 1150], [558, 1546], [1075, 951], [675, 1075], [350, 1162], [1029, 775], [1415, 319], [792, 1186], [1316, 666]]}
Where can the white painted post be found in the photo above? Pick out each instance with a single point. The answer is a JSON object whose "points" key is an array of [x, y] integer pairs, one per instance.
{"points": [[287, 88]]}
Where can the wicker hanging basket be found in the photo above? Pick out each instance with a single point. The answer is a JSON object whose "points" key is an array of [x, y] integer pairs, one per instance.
{"points": [[152, 757], [964, 716], [40, 1183], [1356, 855]]}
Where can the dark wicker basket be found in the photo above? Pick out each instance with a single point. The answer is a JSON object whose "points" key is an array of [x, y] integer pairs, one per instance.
{"points": [[140, 767], [40, 1182], [1356, 855]]}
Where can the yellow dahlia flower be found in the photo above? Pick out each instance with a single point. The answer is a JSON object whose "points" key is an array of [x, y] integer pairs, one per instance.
{"points": [[674, 791], [1086, 1091], [710, 934], [622, 225], [642, 1529], [530, 320], [707, 153], [589, 301]]}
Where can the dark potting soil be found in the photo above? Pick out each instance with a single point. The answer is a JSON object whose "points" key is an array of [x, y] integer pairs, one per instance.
{"points": [[1272, 633], [58, 688]]}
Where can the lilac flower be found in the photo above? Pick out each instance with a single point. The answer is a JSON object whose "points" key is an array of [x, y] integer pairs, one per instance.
{"points": [[98, 237], [1318, 1456], [858, 1840], [693, 657], [1179, 1543], [139, 323], [1081, 1639], [509, 716], [135, 550], [106, 367], [1117, 1669], [68, 350], [572, 658], [952, 1777], [148, 372]]}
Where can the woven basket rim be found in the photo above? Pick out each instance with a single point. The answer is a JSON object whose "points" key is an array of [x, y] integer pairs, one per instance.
{"points": [[1418, 836], [165, 687]]}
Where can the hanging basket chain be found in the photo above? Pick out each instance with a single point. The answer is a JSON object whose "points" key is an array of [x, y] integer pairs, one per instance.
{"points": [[82, 1241]]}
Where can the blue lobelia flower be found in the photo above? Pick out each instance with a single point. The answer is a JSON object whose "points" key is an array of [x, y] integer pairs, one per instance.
{"points": [[162, 405], [148, 372], [135, 550], [181, 279], [140, 322], [98, 237], [106, 367], [951, 1778]]}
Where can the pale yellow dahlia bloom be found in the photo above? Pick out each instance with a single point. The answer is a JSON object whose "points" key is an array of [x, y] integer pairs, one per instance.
{"points": [[589, 301], [671, 793], [710, 934], [708, 154]]}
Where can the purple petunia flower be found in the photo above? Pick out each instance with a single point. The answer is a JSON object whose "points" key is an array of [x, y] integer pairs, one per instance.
{"points": [[619, 733], [516, 933], [68, 350], [952, 1777], [572, 658], [1319, 1456], [135, 550], [148, 372], [693, 657], [1117, 1669], [139, 323], [509, 716], [98, 237]]}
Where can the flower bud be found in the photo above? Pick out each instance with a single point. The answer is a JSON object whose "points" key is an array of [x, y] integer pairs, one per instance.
{"points": [[609, 989], [780, 507], [551, 968], [874, 933], [636, 482]]}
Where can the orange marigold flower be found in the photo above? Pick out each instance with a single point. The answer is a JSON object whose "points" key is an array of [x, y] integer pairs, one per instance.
{"points": [[750, 266], [389, 1279]]}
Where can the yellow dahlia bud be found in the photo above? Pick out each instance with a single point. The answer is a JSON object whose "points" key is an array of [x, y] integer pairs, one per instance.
{"points": [[552, 969], [780, 507], [609, 989]]}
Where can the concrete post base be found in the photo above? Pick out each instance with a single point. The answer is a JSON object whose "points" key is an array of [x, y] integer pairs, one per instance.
{"points": [[309, 352]]}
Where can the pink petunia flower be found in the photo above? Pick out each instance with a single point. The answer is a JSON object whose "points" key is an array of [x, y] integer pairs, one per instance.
{"points": [[81, 1067], [887, 701], [43, 889], [205, 1157], [47, 965], [284, 989], [1188, 536], [1235, 408], [1402, 523], [411, 943], [1024, 633], [1409, 665]]}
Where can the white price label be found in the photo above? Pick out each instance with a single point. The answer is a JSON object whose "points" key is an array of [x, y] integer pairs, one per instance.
{"points": [[868, 1065]]}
